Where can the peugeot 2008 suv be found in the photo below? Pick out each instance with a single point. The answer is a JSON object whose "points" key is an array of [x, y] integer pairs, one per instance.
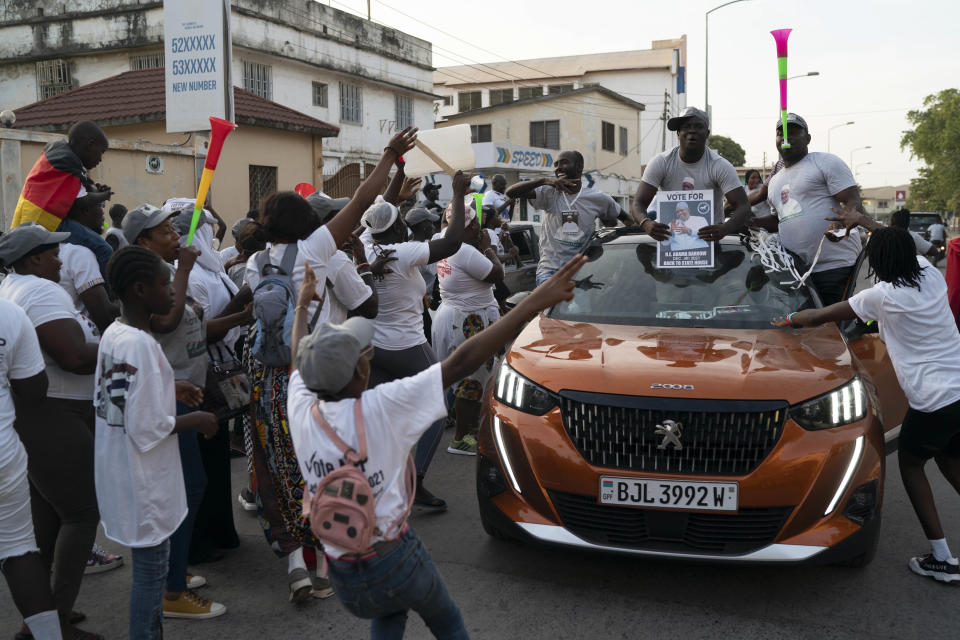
{"points": [[660, 413]]}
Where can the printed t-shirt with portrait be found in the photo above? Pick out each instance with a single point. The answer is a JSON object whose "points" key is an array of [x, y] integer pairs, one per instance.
{"points": [[461, 280], [137, 465], [569, 221], [393, 424], [920, 332], [668, 172], [399, 321], [345, 290], [79, 273], [316, 250], [20, 358], [186, 346], [801, 195], [45, 301]]}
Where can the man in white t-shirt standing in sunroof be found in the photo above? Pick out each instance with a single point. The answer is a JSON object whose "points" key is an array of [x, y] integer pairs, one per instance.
{"points": [[692, 166], [571, 210], [812, 188]]}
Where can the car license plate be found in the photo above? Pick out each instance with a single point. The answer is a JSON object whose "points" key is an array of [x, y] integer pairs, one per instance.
{"points": [[669, 494]]}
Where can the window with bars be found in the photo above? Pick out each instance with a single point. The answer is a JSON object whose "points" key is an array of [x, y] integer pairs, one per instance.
{"points": [[623, 141], [530, 92], [468, 100], [146, 61], [480, 133], [560, 89], [607, 140], [319, 94], [263, 182], [404, 109], [53, 78], [258, 78], [500, 96], [351, 103], [545, 134]]}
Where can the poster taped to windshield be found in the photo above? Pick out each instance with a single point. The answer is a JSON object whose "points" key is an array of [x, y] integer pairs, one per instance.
{"points": [[685, 212]]}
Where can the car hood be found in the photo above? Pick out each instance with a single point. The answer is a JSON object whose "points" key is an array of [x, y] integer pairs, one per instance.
{"points": [[758, 364]]}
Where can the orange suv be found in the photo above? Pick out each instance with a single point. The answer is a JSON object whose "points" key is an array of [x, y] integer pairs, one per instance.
{"points": [[659, 413]]}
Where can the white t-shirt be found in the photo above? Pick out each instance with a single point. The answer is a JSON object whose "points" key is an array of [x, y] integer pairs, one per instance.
{"points": [[801, 196], [20, 358], [461, 280], [921, 336], [761, 208], [315, 250], [937, 231], [395, 415], [399, 321], [45, 301], [213, 292], [79, 272], [569, 220], [496, 200], [495, 241], [668, 172], [346, 290], [921, 243], [137, 465]]}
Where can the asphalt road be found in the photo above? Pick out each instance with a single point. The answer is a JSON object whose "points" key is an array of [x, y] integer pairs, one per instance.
{"points": [[512, 590]]}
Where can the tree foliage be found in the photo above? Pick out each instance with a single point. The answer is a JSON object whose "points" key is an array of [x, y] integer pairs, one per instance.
{"points": [[728, 149], [935, 141]]}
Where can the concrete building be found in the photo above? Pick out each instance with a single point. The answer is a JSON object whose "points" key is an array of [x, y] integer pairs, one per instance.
{"points": [[521, 139], [655, 77], [880, 202], [273, 146], [331, 65]]}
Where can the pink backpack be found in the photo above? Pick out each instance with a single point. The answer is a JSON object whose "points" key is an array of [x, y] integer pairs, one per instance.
{"points": [[341, 510]]}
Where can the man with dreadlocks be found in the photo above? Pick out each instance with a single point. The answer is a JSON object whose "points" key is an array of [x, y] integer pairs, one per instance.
{"points": [[909, 302]]}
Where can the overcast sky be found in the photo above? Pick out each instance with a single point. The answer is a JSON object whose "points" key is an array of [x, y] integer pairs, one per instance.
{"points": [[877, 59]]}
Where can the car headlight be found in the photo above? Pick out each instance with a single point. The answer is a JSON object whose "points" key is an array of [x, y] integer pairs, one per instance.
{"points": [[516, 391], [833, 409]]}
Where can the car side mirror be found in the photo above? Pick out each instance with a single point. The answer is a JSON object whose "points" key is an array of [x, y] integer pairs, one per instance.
{"points": [[516, 299]]}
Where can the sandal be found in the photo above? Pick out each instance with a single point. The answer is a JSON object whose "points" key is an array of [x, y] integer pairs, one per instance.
{"points": [[423, 498]]}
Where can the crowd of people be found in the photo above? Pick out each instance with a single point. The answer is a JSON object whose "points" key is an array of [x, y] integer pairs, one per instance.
{"points": [[129, 354]]}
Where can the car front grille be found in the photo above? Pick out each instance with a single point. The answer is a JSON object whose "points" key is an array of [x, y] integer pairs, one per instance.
{"points": [[722, 437], [738, 533]]}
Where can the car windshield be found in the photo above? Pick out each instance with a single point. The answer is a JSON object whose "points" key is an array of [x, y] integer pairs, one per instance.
{"points": [[621, 285], [920, 222]]}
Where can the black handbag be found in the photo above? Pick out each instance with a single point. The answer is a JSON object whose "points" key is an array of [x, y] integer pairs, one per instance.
{"points": [[227, 390]]}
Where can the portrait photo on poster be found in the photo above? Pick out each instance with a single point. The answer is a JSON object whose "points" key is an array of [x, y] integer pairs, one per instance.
{"points": [[685, 212]]}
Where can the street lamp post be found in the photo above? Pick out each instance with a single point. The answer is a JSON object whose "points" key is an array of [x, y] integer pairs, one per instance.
{"points": [[805, 75], [706, 55], [857, 149], [856, 171], [831, 129]]}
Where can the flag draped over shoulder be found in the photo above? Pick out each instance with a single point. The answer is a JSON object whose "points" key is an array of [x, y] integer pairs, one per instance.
{"points": [[51, 188]]}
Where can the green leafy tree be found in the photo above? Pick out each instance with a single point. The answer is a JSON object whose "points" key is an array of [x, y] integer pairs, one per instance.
{"points": [[935, 141], [728, 149]]}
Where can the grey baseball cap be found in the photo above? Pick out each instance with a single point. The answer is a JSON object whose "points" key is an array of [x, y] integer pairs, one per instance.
{"points": [[792, 118], [239, 225], [327, 358], [418, 215], [144, 217], [23, 239], [688, 113], [324, 207]]}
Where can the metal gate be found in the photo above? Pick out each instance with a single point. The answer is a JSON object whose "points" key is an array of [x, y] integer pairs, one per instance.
{"points": [[344, 182]]}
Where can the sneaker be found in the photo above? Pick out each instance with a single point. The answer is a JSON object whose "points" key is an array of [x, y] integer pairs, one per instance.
{"points": [[101, 560], [195, 582], [300, 585], [943, 570], [248, 501], [467, 446], [321, 588], [193, 607]]}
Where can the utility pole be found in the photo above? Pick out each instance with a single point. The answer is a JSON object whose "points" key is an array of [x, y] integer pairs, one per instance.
{"points": [[664, 117]]}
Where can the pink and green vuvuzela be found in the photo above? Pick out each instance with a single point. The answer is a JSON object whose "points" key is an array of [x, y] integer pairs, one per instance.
{"points": [[781, 35]]}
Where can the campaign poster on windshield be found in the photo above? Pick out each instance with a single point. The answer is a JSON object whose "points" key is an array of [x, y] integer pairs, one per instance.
{"points": [[685, 212]]}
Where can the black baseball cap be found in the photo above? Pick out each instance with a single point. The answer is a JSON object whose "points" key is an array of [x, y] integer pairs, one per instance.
{"points": [[689, 113]]}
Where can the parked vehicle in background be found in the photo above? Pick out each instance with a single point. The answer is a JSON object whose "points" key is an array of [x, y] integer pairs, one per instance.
{"points": [[920, 220], [523, 277]]}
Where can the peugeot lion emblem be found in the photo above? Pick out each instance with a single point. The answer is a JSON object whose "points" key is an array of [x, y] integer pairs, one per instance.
{"points": [[671, 432]]}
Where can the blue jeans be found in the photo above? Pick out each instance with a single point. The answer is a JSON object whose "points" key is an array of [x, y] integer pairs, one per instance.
{"points": [[544, 274], [195, 483], [149, 572], [384, 588]]}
